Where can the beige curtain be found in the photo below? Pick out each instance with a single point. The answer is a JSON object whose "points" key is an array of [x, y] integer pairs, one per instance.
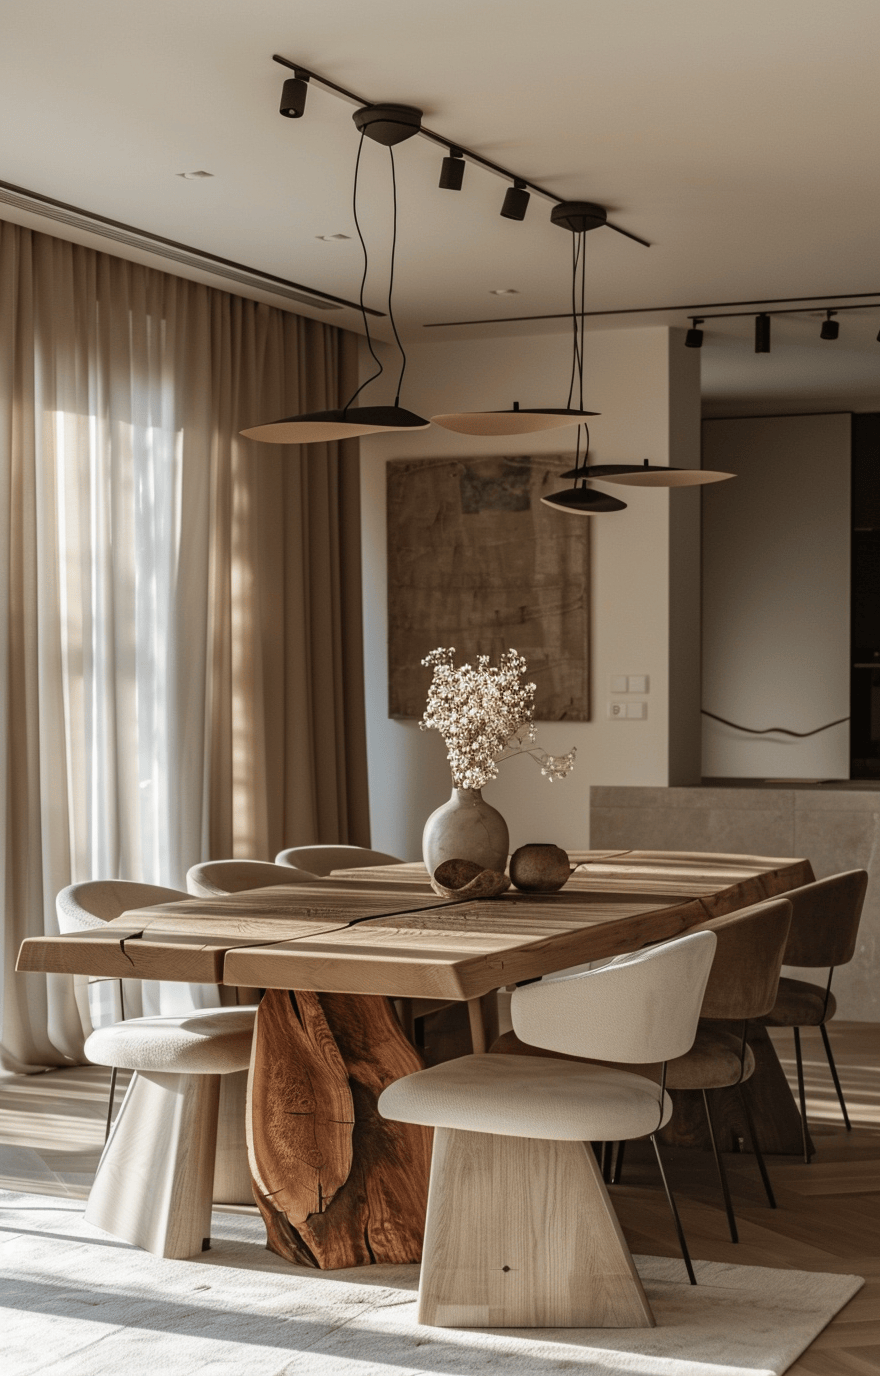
{"points": [[180, 627]]}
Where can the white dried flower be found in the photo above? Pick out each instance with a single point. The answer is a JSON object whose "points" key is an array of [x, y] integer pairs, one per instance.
{"points": [[484, 715]]}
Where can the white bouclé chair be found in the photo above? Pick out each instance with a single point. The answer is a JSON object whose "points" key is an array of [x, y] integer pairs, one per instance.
{"points": [[324, 859], [127, 1019], [85, 906], [215, 878], [520, 1230], [154, 1183]]}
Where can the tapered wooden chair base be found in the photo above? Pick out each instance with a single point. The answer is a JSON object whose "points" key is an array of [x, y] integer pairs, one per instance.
{"points": [[154, 1180], [232, 1172], [521, 1233]]}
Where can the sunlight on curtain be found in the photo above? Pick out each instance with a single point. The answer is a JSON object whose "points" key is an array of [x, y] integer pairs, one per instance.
{"points": [[180, 667]]}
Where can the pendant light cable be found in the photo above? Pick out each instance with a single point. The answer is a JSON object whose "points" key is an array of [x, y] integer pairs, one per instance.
{"points": [[575, 249], [357, 224], [391, 277], [578, 323]]}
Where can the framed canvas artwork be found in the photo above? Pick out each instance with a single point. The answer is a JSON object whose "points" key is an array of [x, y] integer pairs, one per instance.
{"points": [[477, 563]]}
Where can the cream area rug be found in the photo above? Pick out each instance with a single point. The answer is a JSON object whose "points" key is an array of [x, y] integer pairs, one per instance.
{"points": [[75, 1302]]}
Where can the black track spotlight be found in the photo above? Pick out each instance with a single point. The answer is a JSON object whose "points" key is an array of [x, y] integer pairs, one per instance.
{"points": [[293, 96], [830, 328], [516, 201], [694, 337], [762, 333], [452, 170]]}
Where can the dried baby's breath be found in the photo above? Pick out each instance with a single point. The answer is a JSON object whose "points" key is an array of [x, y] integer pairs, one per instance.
{"points": [[484, 714]]}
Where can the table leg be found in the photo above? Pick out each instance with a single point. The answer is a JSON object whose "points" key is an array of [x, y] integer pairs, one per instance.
{"points": [[478, 1026], [777, 1120], [337, 1184]]}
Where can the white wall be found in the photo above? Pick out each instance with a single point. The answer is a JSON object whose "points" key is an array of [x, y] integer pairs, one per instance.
{"points": [[647, 387], [776, 595]]}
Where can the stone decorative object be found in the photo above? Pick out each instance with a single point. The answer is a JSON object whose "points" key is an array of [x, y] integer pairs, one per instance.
{"points": [[539, 868], [466, 828], [467, 879]]}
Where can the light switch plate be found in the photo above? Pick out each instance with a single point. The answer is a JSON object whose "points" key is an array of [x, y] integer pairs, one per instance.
{"points": [[618, 683], [636, 711], [637, 683]]}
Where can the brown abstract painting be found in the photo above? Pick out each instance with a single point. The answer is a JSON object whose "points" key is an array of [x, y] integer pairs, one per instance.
{"points": [[476, 562]]}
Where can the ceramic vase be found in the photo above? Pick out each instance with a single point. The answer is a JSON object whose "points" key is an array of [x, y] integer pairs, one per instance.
{"points": [[466, 828]]}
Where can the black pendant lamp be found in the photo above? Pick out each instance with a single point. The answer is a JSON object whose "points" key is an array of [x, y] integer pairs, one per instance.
{"points": [[581, 499], [579, 217], [650, 475], [387, 125]]}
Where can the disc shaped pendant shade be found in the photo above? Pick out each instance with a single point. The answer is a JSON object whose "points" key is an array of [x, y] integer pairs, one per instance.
{"points": [[513, 422], [583, 501], [650, 475], [321, 427]]}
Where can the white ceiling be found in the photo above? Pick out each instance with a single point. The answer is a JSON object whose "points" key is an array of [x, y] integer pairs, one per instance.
{"points": [[740, 138]]}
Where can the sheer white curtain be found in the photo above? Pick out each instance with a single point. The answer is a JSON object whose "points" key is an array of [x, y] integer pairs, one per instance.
{"points": [[147, 594]]}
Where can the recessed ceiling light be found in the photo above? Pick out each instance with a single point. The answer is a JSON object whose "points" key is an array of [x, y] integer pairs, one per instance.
{"points": [[328, 238], [504, 291], [194, 176]]}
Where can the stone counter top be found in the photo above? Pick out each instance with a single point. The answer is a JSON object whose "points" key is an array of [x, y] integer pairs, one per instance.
{"points": [[808, 784], [834, 825]]}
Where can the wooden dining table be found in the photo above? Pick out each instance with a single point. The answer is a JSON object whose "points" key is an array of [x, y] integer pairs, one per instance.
{"points": [[337, 1184]]}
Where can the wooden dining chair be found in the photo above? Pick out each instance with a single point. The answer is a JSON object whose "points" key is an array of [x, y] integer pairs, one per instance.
{"points": [[116, 1005], [520, 1230], [742, 985], [216, 878], [85, 906], [324, 859], [824, 926], [156, 1179]]}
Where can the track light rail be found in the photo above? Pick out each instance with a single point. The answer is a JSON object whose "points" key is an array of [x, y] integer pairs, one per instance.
{"points": [[449, 144], [866, 297]]}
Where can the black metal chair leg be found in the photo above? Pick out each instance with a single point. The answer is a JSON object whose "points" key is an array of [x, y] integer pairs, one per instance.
{"points": [[802, 1093], [753, 1138], [686, 1256], [617, 1172], [722, 1173], [113, 1074], [833, 1068]]}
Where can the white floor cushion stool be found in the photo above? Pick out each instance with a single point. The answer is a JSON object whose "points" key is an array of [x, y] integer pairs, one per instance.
{"points": [[155, 1179]]}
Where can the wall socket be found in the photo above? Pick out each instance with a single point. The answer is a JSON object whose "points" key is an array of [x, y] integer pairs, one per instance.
{"points": [[628, 683], [627, 711]]}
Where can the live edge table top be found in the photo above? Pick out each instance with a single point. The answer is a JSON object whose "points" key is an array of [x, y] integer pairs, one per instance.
{"points": [[383, 931]]}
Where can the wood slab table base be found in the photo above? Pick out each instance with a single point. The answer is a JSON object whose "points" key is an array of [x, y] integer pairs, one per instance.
{"points": [[521, 1234], [337, 1184]]}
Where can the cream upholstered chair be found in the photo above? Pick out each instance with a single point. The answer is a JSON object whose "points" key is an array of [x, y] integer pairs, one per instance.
{"points": [[824, 925], [742, 985], [216, 878], [115, 1020], [155, 1180], [324, 859], [90, 904], [520, 1230]]}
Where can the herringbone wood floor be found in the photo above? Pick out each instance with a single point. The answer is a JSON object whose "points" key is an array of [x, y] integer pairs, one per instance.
{"points": [[51, 1129]]}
